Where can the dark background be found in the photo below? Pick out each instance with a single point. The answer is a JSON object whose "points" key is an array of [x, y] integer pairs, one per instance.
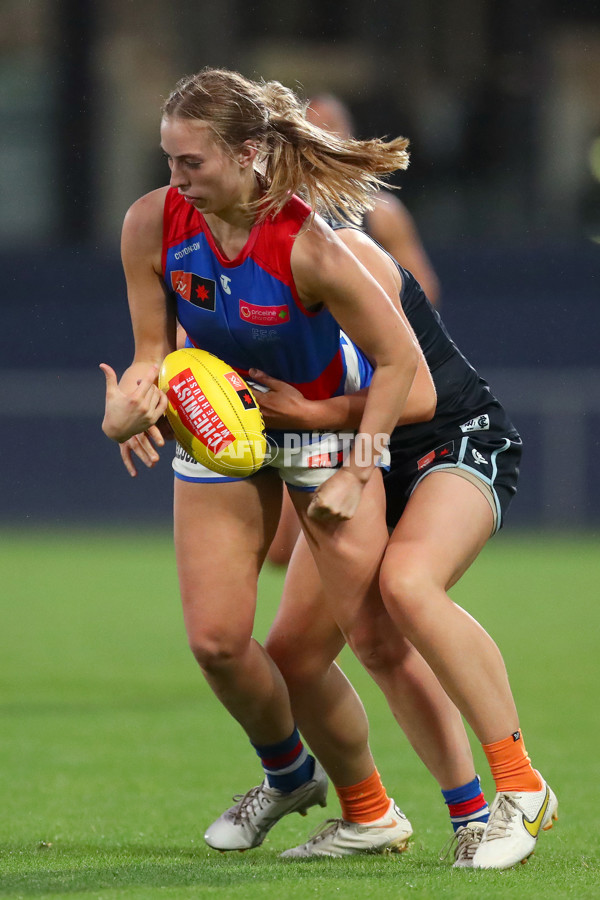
{"points": [[502, 107]]}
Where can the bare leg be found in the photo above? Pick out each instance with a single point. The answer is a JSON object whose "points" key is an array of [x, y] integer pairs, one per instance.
{"points": [[221, 535], [287, 532], [305, 638], [304, 641], [445, 525]]}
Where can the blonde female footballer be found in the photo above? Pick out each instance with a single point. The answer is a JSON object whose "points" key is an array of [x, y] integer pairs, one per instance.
{"points": [[230, 220]]}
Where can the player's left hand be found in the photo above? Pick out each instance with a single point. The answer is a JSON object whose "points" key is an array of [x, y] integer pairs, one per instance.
{"points": [[282, 406], [337, 498]]}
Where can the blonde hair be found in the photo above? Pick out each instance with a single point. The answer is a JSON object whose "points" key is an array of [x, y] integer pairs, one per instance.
{"points": [[338, 177]]}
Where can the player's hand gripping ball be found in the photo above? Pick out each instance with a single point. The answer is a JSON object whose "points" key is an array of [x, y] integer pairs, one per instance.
{"points": [[213, 413]]}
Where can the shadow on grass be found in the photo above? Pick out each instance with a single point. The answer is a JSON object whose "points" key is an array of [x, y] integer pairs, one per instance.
{"points": [[82, 868]]}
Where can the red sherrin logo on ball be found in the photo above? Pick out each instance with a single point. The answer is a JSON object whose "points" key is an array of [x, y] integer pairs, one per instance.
{"points": [[235, 381], [197, 413]]}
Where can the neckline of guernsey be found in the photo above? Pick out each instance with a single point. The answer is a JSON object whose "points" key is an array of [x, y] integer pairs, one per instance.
{"points": [[244, 252]]}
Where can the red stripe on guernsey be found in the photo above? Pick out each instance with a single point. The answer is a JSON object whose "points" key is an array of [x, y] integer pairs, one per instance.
{"points": [[275, 256], [280, 762], [326, 385], [467, 807]]}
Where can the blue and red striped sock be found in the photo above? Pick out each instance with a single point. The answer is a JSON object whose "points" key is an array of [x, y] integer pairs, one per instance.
{"points": [[466, 804], [287, 764]]}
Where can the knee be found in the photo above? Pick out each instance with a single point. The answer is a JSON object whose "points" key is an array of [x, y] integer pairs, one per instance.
{"points": [[405, 590], [378, 653], [281, 651], [298, 664], [217, 651]]}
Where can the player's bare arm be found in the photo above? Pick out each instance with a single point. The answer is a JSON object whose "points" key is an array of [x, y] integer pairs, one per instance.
{"points": [[327, 273], [285, 407], [134, 405], [422, 400]]}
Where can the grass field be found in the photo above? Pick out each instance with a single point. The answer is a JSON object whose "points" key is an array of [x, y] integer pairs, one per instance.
{"points": [[114, 756]]}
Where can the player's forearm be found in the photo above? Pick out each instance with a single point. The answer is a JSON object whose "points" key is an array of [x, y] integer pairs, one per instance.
{"points": [[346, 412], [386, 400], [336, 413]]}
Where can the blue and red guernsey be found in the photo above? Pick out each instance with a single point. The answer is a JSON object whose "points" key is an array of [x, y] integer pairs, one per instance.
{"points": [[246, 310]]}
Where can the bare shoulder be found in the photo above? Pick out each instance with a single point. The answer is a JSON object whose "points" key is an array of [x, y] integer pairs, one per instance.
{"points": [[143, 226], [372, 256], [144, 218], [316, 246], [357, 241], [319, 258]]}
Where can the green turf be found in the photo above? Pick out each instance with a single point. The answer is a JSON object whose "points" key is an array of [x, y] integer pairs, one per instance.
{"points": [[114, 755]]}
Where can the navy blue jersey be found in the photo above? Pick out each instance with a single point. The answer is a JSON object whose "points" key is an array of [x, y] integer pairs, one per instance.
{"points": [[462, 395]]}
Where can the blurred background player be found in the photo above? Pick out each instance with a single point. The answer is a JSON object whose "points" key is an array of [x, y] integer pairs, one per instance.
{"points": [[389, 222], [392, 226]]}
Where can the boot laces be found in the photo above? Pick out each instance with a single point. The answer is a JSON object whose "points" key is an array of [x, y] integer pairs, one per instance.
{"points": [[464, 842], [501, 817], [326, 829], [251, 803]]}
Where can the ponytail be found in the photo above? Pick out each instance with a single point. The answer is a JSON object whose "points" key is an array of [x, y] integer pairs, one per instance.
{"points": [[337, 176]]}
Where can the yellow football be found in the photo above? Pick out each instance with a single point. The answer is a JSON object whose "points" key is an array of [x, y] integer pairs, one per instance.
{"points": [[213, 412]]}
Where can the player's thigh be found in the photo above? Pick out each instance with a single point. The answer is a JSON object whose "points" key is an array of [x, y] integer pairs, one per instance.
{"points": [[446, 523], [222, 532], [348, 554]]}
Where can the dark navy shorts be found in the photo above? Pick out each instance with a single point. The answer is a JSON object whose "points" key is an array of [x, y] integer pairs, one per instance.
{"points": [[485, 449]]}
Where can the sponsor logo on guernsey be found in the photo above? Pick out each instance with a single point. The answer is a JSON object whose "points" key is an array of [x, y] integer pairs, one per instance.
{"points": [[196, 412], [264, 315], [479, 423], [225, 282], [439, 453], [533, 825], [195, 289], [241, 390]]}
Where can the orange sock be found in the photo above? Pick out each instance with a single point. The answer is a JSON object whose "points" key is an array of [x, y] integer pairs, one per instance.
{"points": [[365, 801], [511, 766]]}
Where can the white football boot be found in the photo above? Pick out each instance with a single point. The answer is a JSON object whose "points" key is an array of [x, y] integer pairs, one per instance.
{"points": [[336, 837], [246, 824], [465, 841], [516, 819]]}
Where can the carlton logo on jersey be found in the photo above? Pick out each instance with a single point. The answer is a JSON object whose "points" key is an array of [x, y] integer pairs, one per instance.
{"points": [[264, 315], [201, 292]]}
